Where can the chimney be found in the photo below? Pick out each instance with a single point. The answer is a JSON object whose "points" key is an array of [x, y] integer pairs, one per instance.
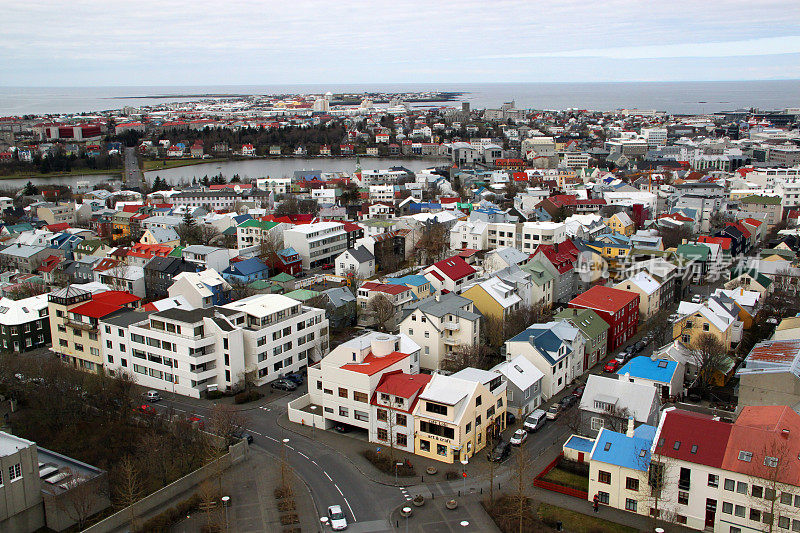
{"points": [[630, 429]]}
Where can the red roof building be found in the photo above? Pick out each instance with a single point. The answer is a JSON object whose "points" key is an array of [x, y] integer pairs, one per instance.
{"points": [[450, 274], [620, 309], [693, 437]]}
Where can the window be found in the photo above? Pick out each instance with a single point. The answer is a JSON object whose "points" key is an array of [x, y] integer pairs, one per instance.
{"points": [[436, 408], [741, 487], [677, 445], [597, 423], [680, 519], [441, 449], [343, 411], [786, 498], [342, 392], [425, 445], [14, 472], [683, 497], [795, 525], [727, 507], [632, 483], [382, 434], [739, 511], [360, 397], [604, 477], [478, 400], [602, 497], [401, 420], [745, 456], [402, 439], [382, 415], [783, 522], [755, 515], [771, 462], [713, 480], [630, 505], [757, 491], [730, 484]]}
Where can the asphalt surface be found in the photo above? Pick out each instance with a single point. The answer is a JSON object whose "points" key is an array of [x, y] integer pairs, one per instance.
{"points": [[331, 477], [132, 174]]}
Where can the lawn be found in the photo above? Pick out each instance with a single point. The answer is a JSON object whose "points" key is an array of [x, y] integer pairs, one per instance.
{"points": [[565, 478], [79, 172], [579, 522], [174, 163]]}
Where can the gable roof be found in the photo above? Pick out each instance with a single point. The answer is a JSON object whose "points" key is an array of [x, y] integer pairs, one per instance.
{"points": [[454, 267], [692, 437], [519, 371], [636, 398], [604, 298]]}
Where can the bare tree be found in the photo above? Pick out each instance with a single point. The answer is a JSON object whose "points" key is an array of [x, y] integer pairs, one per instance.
{"points": [[381, 309], [270, 242], [520, 480], [709, 357], [672, 237], [129, 488], [433, 244], [657, 496], [225, 420], [474, 356], [83, 497], [354, 280]]}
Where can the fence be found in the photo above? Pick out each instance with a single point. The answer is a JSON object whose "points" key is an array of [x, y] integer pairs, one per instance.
{"points": [[555, 487], [236, 453]]}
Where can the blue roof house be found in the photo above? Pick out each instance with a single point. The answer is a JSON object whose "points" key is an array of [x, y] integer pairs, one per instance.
{"points": [[246, 271], [664, 374]]}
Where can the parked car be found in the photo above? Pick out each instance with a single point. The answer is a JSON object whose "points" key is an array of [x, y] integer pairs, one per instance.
{"points": [[510, 419], [337, 518], [295, 377], [621, 358], [146, 409], [568, 401], [196, 420], [342, 428], [696, 299], [283, 384], [578, 392], [241, 434], [500, 452], [612, 366], [535, 420], [554, 411], [639, 346], [327, 266], [518, 437], [152, 396]]}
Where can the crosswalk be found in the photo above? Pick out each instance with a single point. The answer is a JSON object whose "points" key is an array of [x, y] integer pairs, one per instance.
{"points": [[406, 495]]}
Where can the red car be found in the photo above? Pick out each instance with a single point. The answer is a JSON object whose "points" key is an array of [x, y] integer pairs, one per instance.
{"points": [[611, 366], [195, 420], [146, 409], [328, 266]]}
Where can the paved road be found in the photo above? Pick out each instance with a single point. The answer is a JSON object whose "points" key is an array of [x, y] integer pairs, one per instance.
{"points": [[132, 173], [332, 478]]}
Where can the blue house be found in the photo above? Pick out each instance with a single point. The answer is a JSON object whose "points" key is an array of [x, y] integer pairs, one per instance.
{"points": [[246, 271], [630, 450], [663, 374]]}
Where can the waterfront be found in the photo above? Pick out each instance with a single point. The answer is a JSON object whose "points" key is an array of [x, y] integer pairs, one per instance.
{"points": [[683, 97], [254, 168]]}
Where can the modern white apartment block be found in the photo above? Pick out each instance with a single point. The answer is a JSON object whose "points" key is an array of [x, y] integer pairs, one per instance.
{"points": [[318, 243], [276, 185], [189, 352], [535, 233], [342, 384]]}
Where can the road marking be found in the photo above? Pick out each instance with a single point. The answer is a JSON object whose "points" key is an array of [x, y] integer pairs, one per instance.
{"points": [[290, 447], [180, 410], [254, 432], [304, 455], [271, 438], [351, 509], [340, 490], [313, 461], [327, 476]]}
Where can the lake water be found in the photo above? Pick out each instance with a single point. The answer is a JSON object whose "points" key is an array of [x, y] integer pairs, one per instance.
{"points": [[672, 97], [256, 168]]}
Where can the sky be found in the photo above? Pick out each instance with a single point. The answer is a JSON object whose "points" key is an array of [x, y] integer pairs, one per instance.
{"points": [[92, 43]]}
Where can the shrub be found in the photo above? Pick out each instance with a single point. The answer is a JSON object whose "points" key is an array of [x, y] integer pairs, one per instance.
{"points": [[164, 521], [286, 505], [214, 394], [247, 396], [385, 464], [451, 475], [289, 518]]}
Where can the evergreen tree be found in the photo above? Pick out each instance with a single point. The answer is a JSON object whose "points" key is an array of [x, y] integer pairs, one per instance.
{"points": [[30, 189]]}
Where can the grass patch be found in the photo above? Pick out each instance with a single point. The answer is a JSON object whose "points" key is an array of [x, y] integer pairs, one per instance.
{"points": [[504, 511], [79, 172], [175, 163], [387, 465], [566, 478], [579, 522]]}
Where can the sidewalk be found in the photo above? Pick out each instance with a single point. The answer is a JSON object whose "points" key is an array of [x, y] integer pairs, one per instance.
{"points": [[253, 507], [433, 516]]}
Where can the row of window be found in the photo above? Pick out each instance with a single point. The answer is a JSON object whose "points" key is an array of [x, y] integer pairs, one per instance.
{"points": [[15, 330]]}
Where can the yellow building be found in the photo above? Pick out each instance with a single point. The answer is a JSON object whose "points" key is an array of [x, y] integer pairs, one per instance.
{"points": [[695, 320], [74, 315], [121, 222], [621, 223], [456, 416], [494, 298]]}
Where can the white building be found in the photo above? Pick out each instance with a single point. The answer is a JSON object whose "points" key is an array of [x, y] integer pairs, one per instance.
{"points": [[200, 289], [358, 260], [318, 243]]}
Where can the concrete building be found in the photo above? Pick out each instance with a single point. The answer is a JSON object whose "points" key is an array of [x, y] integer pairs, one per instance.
{"points": [[21, 502], [24, 324], [441, 325], [523, 385], [318, 243], [769, 374], [612, 403], [57, 213]]}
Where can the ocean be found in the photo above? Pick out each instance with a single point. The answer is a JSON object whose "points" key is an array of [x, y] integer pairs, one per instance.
{"points": [[673, 97]]}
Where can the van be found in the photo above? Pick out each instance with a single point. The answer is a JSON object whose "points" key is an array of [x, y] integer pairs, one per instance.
{"points": [[535, 420], [152, 396]]}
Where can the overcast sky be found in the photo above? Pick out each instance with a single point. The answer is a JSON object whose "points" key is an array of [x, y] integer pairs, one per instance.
{"points": [[144, 42]]}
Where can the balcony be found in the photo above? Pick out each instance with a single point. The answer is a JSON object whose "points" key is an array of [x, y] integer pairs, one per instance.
{"points": [[453, 326], [450, 341], [80, 325]]}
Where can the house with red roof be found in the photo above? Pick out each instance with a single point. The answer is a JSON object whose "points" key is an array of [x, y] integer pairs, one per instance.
{"points": [[619, 308], [343, 383], [452, 274], [393, 404], [559, 260], [48, 267], [248, 150], [398, 295]]}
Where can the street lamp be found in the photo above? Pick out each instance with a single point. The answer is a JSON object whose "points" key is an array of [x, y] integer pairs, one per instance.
{"points": [[464, 523], [314, 421], [407, 512], [324, 521], [225, 500], [464, 462], [395, 471]]}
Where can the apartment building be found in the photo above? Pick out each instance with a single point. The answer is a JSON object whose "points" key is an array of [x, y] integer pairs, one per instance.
{"points": [[619, 308], [192, 351], [317, 243], [473, 234], [457, 416], [342, 384], [452, 274], [75, 314], [441, 325], [203, 256], [393, 404], [275, 185], [718, 316], [21, 507], [494, 298], [24, 324], [57, 213], [534, 234], [251, 232]]}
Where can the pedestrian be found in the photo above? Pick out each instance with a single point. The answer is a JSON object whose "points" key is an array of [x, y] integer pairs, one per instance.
{"points": [[596, 503]]}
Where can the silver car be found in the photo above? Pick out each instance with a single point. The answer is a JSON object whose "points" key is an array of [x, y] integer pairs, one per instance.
{"points": [[337, 518]]}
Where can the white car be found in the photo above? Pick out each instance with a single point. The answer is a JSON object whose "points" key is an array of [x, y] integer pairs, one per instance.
{"points": [[518, 437], [696, 299], [336, 516]]}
